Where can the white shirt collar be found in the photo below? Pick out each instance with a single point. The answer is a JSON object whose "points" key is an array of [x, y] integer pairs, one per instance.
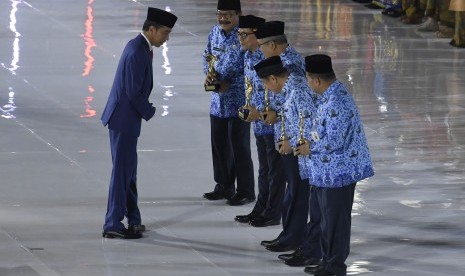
{"points": [[148, 42]]}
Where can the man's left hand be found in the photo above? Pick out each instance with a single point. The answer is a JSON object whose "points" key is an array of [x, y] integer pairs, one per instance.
{"points": [[284, 147], [303, 149]]}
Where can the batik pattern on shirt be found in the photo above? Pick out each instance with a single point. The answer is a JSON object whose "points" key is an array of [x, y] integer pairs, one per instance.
{"points": [[257, 97], [294, 63], [341, 156], [299, 100], [229, 67]]}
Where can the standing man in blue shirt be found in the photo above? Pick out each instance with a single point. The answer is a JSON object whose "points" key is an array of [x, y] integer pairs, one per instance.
{"points": [[230, 136], [273, 42], [339, 158], [297, 100], [271, 182], [127, 105]]}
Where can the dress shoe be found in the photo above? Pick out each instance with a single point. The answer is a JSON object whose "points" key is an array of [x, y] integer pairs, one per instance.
{"points": [[121, 234], [279, 247], [314, 269], [268, 243], [300, 260], [286, 257], [215, 195], [239, 199], [245, 218], [264, 222], [323, 273], [139, 228]]}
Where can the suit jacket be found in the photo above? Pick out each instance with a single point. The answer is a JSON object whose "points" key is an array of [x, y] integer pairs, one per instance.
{"points": [[128, 100]]}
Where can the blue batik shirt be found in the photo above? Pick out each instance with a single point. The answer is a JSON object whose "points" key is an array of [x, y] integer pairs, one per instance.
{"points": [[230, 68], [341, 156], [299, 100], [257, 97], [294, 63]]}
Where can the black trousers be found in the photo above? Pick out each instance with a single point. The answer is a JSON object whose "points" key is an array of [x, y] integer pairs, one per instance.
{"points": [[230, 140], [295, 204], [271, 182], [311, 247], [336, 208]]}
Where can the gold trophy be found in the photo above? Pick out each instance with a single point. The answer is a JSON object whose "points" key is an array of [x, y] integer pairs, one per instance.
{"points": [[245, 110], [211, 60], [283, 137], [301, 140], [267, 105]]}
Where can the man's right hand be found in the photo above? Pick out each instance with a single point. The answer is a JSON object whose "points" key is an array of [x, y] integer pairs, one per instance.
{"points": [[269, 117]]}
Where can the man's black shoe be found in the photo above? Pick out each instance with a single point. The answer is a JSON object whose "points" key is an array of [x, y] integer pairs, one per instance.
{"points": [[239, 199], [215, 195], [286, 257], [268, 243], [314, 269], [264, 222], [279, 247], [245, 218], [121, 234], [300, 260], [323, 273], [140, 228]]}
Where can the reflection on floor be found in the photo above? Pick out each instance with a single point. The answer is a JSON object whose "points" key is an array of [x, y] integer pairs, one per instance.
{"points": [[58, 60]]}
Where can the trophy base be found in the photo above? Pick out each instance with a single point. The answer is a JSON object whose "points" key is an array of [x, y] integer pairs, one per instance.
{"points": [[244, 113], [212, 87]]}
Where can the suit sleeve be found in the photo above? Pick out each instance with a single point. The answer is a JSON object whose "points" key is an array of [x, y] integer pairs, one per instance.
{"points": [[134, 83]]}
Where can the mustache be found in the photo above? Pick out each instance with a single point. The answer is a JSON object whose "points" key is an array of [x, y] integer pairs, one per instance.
{"points": [[225, 22]]}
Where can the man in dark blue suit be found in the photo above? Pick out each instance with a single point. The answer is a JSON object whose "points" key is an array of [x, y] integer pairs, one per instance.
{"points": [[127, 104]]}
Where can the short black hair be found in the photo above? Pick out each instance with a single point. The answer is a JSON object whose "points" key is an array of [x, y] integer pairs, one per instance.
{"points": [[149, 23], [326, 77]]}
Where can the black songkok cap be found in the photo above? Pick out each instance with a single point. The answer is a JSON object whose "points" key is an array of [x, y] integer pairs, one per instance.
{"points": [[269, 29], [318, 64], [229, 5], [161, 17], [250, 21], [268, 66]]}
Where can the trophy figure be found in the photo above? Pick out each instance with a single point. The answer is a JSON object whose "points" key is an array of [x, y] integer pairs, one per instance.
{"points": [[283, 137], [267, 105], [245, 110], [211, 60], [301, 140]]}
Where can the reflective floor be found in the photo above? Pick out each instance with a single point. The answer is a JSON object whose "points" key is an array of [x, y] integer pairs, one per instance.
{"points": [[57, 62]]}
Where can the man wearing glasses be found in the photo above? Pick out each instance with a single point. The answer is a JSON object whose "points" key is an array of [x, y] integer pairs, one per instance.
{"points": [[273, 42], [271, 183], [230, 136]]}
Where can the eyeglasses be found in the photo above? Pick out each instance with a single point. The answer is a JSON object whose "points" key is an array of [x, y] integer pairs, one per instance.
{"points": [[226, 15], [243, 35], [260, 45]]}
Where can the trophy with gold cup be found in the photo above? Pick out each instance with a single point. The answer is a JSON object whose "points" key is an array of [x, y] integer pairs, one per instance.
{"points": [[283, 137], [301, 140], [245, 110], [215, 85], [267, 105]]}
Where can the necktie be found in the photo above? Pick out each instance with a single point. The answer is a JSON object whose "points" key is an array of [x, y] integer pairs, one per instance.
{"points": [[151, 55]]}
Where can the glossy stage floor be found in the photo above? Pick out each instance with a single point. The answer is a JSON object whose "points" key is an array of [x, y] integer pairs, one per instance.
{"points": [[58, 59]]}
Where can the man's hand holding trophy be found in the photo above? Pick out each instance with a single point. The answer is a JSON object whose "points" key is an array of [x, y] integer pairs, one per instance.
{"points": [[268, 115], [303, 146], [211, 82], [244, 111]]}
